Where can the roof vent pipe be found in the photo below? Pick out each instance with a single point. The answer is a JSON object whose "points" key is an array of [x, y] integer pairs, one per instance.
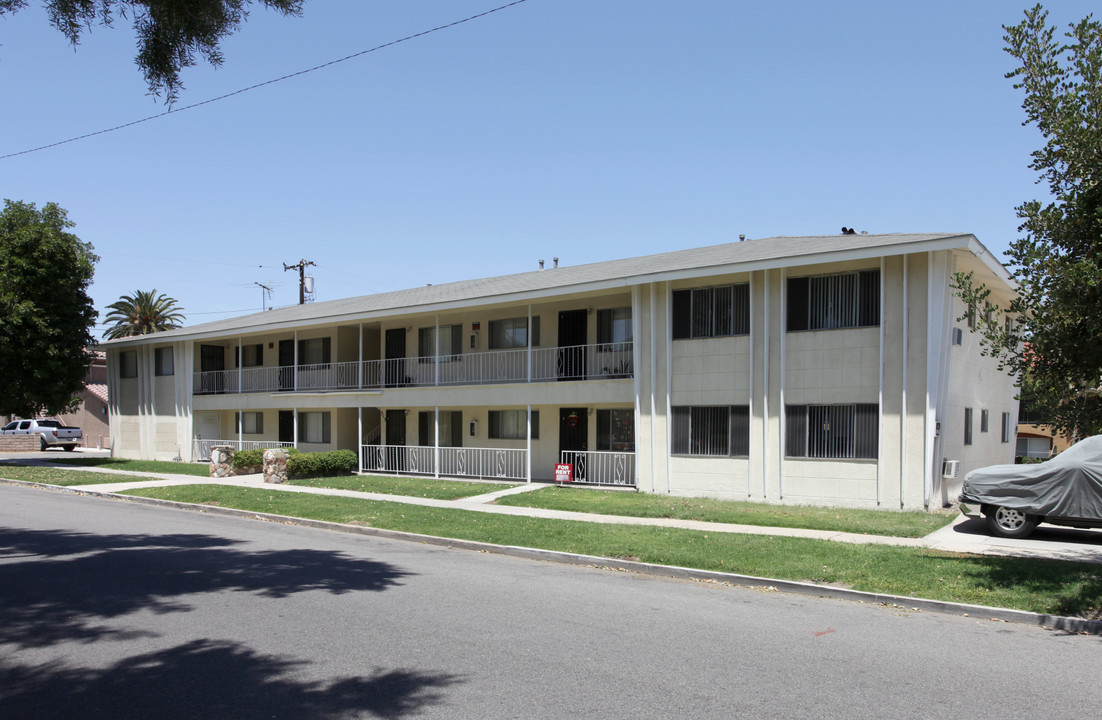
{"points": [[541, 264], [556, 261]]}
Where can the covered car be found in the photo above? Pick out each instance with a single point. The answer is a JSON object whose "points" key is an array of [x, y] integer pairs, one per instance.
{"points": [[1066, 490]]}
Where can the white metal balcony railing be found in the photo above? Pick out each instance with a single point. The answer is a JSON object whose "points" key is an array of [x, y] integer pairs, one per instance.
{"points": [[460, 462], [201, 447], [601, 467], [580, 362]]}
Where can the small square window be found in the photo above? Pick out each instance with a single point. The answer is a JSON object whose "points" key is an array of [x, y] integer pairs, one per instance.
{"points": [[983, 421]]}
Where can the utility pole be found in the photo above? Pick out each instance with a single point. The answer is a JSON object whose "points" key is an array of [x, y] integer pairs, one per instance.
{"points": [[301, 267]]}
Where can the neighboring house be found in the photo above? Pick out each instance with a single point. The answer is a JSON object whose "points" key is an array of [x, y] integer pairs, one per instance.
{"points": [[91, 414], [813, 370], [1036, 439]]}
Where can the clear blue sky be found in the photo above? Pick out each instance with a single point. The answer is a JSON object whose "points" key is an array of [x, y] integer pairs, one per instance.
{"points": [[584, 129]]}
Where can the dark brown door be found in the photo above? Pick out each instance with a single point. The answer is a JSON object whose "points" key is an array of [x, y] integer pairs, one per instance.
{"points": [[212, 359], [572, 339], [286, 364], [573, 436], [395, 353]]}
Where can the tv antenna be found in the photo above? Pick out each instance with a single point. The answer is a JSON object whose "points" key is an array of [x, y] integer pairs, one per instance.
{"points": [[265, 295]]}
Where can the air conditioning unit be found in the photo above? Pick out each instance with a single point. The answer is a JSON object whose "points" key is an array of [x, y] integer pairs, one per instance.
{"points": [[950, 468]]}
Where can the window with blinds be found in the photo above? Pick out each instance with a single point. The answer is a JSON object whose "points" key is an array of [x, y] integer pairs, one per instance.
{"points": [[832, 431], [831, 302], [722, 430], [711, 312]]}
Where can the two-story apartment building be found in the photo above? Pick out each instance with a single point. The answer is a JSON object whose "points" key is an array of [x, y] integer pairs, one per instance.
{"points": [[812, 370]]}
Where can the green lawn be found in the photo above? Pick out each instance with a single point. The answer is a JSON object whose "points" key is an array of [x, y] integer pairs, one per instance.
{"points": [[414, 487], [54, 476], [158, 466], [607, 502], [1062, 588]]}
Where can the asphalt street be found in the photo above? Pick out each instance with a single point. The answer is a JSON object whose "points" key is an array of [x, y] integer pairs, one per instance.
{"points": [[114, 609]]}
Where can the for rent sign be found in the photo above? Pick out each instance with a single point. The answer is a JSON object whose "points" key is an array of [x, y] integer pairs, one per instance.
{"points": [[564, 472]]}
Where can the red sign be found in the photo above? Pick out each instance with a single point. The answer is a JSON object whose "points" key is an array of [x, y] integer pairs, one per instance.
{"points": [[564, 472]]}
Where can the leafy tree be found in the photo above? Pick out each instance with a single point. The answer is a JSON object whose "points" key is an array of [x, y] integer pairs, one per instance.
{"points": [[170, 32], [142, 313], [1055, 342], [45, 312]]}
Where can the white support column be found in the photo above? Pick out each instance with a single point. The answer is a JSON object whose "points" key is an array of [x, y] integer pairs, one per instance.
{"points": [[360, 432], [436, 439], [781, 372], [637, 381], [528, 442], [903, 411], [360, 367], [436, 356], [880, 396], [528, 335], [765, 390], [669, 388], [294, 417], [296, 376], [240, 427], [653, 384], [240, 366], [750, 401]]}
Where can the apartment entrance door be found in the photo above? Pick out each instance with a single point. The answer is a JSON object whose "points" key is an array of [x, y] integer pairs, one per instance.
{"points": [[573, 439], [395, 364], [572, 339]]}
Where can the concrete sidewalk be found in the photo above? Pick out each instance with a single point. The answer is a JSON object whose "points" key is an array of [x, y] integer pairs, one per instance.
{"points": [[966, 534]]}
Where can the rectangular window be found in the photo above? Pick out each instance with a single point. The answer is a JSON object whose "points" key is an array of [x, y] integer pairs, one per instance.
{"points": [[983, 421], [711, 312], [967, 426], [614, 326], [313, 427], [616, 430], [832, 431], [316, 351], [249, 423], [1006, 428], [831, 302], [513, 424], [253, 354], [971, 316], [722, 431], [451, 428], [162, 361], [513, 333], [128, 364], [450, 345]]}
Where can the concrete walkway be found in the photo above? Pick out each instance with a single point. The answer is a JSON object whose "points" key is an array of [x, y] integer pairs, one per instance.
{"points": [[966, 534]]}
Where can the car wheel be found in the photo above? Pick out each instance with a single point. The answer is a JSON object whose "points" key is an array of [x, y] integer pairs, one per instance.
{"points": [[69, 448], [1010, 522], [42, 443]]}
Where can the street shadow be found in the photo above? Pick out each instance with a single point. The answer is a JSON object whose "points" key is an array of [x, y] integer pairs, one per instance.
{"points": [[55, 585], [976, 525], [211, 679]]}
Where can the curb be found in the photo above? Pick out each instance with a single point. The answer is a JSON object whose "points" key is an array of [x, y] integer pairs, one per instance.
{"points": [[980, 612]]}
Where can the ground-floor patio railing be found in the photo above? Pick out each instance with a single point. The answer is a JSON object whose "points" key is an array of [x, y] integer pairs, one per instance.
{"points": [[459, 462], [201, 447], [601, 467]]}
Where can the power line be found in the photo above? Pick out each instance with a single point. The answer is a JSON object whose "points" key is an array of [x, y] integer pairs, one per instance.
{"points": [[267, 82]]}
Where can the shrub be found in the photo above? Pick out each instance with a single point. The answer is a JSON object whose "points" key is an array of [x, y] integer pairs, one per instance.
{"points": [[248, 459], [335, 462]]}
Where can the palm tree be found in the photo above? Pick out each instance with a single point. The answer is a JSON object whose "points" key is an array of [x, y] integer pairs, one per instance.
{"points": [[142, 313]]}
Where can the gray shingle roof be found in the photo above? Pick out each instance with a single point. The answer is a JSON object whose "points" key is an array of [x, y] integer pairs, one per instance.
{"points": [[714, 259]]}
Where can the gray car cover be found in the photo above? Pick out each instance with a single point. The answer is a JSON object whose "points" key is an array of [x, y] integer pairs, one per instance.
{"points": [[1069, 485]]}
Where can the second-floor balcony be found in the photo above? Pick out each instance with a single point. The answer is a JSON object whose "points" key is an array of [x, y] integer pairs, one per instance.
{"points": [[581, 362]]}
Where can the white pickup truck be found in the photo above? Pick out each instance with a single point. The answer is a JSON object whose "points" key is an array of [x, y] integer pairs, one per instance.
{"points": [[51, 433]]}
